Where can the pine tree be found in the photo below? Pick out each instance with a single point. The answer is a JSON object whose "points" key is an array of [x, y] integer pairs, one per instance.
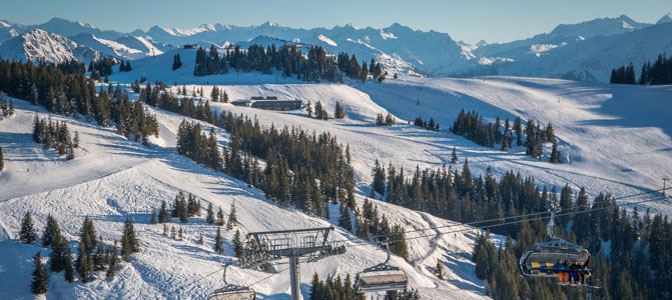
{"points": [[453, 156], [238, 244], [438, 269], [114, 261], [40, 281], [2, 162], [180, 234], [200, 238], [152, 218], [27, 234], [51, 232], [68, 267], [129, 242], [339, 113], [173, 233], [57, 257], [210, 215], [556, 158], [163, 213], [220, 217], [233, 217], [218, 241]]}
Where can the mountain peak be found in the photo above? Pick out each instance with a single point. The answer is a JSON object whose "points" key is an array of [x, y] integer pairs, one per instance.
{"points": [[665, 19]]}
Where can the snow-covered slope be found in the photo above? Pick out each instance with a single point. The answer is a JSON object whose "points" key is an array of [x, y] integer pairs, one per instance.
{"points": [[39, 45], [9, 30], [107, 47], [112, 179], [140, 43]]}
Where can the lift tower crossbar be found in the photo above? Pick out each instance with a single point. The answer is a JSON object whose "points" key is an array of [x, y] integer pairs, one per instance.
{"points": [[293, 244]]}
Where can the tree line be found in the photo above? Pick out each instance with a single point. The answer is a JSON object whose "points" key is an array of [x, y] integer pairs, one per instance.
{"points": [[630, 258], [657, 73], [301, 169], [73, 94], [316, 65], [55, 135], [471, 126], [92, 254]]}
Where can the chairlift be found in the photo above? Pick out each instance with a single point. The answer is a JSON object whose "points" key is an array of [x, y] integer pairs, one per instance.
{"points": [[382, 277], [539, 261], [232, 291]]}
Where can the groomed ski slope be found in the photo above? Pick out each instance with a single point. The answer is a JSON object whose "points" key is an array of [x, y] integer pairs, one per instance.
{"points": [[112, 179], [613, 138]]}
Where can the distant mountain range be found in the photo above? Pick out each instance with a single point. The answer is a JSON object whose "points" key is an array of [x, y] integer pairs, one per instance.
{"points": [[584, 51]]}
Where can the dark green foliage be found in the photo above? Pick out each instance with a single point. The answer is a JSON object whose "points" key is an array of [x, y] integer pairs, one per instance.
{"points": [[2, 162], [181, 208], [73, 94], [378, 184], [623, 75], [334, 289], [238, 244], [220, 217], [453, 156], [657, 73], [113, 258], [163, 213], [129, 242], [152, 218], [53, 135], [61, 255], [103, 67], [556, 157], [385, 121], [218, 241], [51, 232], [40, 281], [177, 63], [339, 113], [233, 217], [438, 269], [320, 112], [433, 126], [210, 215], [125, 66], [87, 244], [27, 233]]}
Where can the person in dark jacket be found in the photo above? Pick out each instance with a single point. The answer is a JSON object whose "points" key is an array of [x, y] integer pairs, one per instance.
{"points": [[575, 273]]}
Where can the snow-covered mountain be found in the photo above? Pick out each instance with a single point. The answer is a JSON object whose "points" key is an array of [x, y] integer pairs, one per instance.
{"points": [[71, 28], [665, 19], [39, 45], [401, 49], [107, 47]]}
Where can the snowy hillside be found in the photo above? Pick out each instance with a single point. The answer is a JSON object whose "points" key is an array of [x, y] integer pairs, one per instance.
{"points": [[39, 45], [107, 47], [113, 178]]}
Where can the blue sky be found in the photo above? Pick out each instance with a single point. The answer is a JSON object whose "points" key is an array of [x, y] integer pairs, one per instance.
{"points": [[471, 20]]}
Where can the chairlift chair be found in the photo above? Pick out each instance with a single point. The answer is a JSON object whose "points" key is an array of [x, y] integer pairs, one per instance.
{"points": [[232, 291], [382, 277], [539, 261]]}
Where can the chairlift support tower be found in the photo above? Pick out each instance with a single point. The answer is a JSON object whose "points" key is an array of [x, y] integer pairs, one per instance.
{"points": [[298, 245]]}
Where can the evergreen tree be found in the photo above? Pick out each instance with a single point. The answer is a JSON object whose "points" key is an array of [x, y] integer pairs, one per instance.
{"points": [[51, 232], [114, 262], [2, 162], [40, 281], [27, 234], [176, 62], [220, 217], [238, 244], [339, 113], [555, 155], [129, 242], [210, 215], [218, 241], [200, 239], [233, 217], [163, 213], [68, 267], [438, 269], [453, 156]]}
